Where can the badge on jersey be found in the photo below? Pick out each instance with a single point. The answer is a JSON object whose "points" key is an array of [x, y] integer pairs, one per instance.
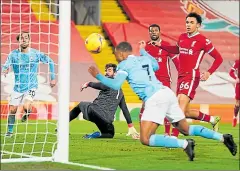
{"points": [[160, 52]]}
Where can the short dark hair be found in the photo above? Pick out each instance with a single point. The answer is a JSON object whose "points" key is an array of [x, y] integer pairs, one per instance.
{"points": [[18, 36], [124, 47], [154, 25], [195, 15], [114, 66]]}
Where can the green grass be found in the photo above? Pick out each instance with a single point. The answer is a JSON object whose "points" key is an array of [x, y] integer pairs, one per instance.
{"points": [[123, 152]]}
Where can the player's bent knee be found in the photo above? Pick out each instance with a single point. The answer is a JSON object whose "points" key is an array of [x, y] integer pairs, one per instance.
{"points": [[144, 140]]}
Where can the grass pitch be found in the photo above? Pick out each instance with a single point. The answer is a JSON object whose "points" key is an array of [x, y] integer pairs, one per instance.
{"points": [[119, 153]]}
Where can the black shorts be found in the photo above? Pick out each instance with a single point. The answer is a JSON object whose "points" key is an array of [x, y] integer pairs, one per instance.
{"points": [[92, 111]]}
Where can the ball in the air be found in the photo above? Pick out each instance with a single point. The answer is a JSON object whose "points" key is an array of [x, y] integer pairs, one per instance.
{"points": [[95, 43]]}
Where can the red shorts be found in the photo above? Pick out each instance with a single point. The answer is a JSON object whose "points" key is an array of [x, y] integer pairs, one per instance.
{"points": [[187, 85], [237, 91]]}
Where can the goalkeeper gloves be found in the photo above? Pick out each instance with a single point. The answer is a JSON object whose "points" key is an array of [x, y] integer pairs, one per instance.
{"points": [[132, 132], [85, 85]]}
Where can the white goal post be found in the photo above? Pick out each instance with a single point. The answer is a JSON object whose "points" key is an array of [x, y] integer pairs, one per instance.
{"points": [[25, 146]]}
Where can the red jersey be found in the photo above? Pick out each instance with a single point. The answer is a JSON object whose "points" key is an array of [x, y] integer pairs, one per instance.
{"points": [[163, 58], [235, 70], [191, 51]]}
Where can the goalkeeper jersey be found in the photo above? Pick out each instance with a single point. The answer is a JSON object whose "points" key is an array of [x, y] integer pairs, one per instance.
{"points": [[25, 68]]}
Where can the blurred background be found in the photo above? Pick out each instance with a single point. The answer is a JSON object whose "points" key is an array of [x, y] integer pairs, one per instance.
{"points": [[123, 20]]}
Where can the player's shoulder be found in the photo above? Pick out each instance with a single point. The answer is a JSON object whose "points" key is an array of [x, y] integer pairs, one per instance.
{"points": [[34, 50], [163, 42], [183, 35], [202, 37], [15, 51]]}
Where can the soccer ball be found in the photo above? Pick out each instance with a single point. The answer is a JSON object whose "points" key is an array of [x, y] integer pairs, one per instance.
{"points": [[95, 43]]}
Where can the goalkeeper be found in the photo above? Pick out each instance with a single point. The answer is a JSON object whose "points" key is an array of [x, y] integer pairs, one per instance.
{"points": [[102, 110], [24, 62]]}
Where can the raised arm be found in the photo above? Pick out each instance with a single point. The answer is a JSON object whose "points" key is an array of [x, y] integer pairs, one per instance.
{"points": [[47, 60], [115, 83]]}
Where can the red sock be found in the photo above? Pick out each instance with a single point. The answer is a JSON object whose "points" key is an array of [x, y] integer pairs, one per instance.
{"points": [[175, 132], [167, 126], [140, 114], [203, 117], [236, 110]]}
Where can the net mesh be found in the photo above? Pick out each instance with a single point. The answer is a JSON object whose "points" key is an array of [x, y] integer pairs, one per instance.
{"points": [[36, 136]]}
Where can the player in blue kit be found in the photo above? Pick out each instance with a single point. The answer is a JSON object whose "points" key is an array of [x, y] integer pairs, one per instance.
{"points": [[160, 102], [25, 62]]}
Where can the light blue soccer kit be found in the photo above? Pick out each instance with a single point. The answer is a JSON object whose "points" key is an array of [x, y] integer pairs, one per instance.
{"points": [[160, 101], [25, 68]]}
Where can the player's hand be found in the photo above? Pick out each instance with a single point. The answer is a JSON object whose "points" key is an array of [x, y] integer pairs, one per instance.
{"points": [[133, 132], [237, 80], [205, 75], [85, 85], [52, 83], [5, 72], [142, 44], [93, 71]]}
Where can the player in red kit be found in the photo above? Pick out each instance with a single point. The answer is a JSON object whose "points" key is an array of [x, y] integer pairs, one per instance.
{"points": [[235, 74], [163, 58], [191, 48]]}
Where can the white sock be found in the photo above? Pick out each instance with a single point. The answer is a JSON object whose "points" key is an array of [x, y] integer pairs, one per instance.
{"points": [[212, 119], [185, 144]]}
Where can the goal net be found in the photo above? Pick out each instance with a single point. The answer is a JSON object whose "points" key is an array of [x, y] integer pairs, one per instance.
{"points": [[35, 139]]}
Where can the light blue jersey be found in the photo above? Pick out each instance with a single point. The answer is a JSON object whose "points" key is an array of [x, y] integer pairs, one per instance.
{"points": [[25, 68], [139, 71]]}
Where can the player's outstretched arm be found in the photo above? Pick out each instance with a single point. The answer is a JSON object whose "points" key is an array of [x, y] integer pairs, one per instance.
{"points": [[115, 83], [170, 49], [98, 86], [47, 60], [154, 62]]}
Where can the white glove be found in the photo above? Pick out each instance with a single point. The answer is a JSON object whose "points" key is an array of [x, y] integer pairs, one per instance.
{"points": [[85, 85], [133, 132]]}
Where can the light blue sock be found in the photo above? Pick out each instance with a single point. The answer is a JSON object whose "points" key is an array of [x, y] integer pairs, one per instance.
{"points": [[198, 130], [166, 141], [11, 121]]}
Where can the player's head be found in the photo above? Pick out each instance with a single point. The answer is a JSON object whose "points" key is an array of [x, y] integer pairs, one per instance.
{"points": [[24, 39], [193, 22], [122, 51], [110, 69], [154, 32]]}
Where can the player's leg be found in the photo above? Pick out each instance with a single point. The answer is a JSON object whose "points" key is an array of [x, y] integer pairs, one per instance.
{"points": [[237, 104], [167, 124], [175, 115], [186, 91], [28, 98], [153, 116], [106, 129], [11, 119], [15, 100]]}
